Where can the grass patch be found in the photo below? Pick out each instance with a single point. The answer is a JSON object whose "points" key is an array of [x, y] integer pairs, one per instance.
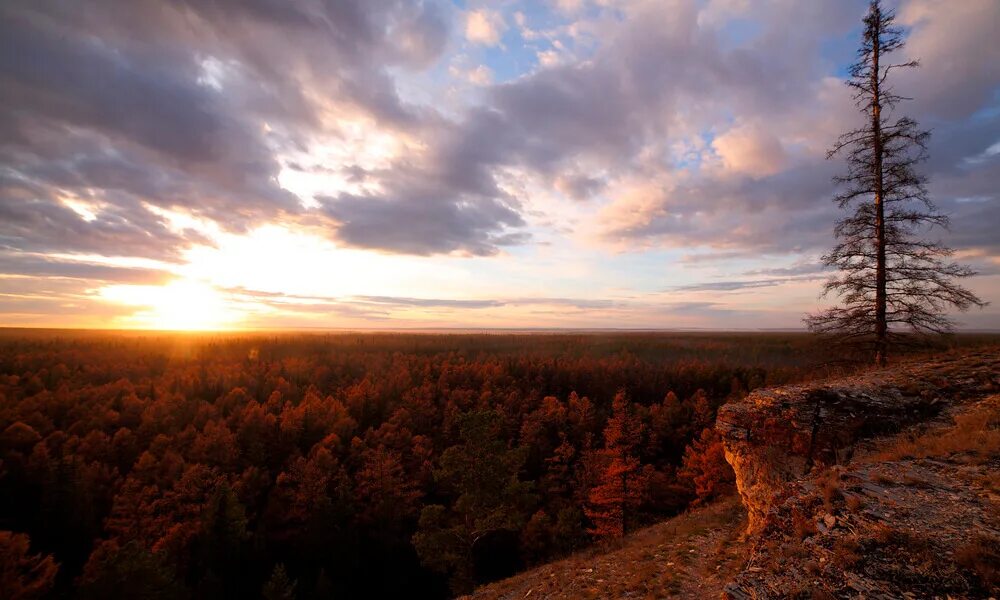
{"points": [[981, 556], [975, 436]]}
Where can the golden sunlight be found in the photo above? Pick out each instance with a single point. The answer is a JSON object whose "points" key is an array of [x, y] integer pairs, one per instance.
{"points": [[181, 305]]}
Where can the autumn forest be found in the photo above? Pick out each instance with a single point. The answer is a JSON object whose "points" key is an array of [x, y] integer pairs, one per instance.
{"points": [[338, 465]]}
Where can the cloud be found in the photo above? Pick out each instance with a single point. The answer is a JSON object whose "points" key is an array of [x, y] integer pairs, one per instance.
{"points": [[184, 106], [959, 68], [738, 285], [484, 27], [481, 75], [34, 266], [446, 303], [786, 212], [33, 219], [440, 208], [694, 307], [750, 150], [549, 58], [685, 124], [570, 6], [579, 186], [802, 268], [429, 302]]}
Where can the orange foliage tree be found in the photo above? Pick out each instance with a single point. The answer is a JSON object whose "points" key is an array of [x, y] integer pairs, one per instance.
{"points": [[621, 481], [23, 575], [706, 467]]}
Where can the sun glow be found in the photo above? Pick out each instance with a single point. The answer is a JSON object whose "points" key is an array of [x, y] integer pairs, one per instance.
{"points": [[280, 260], [182, 305]]}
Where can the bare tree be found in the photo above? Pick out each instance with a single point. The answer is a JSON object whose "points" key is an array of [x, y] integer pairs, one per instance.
{"points": [[891, 283]]}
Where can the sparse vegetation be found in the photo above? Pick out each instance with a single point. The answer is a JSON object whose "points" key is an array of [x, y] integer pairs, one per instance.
{"points": [[981, 556], [830, 488], [974, 438], [803, 525], [692, 555], [846, 552]]}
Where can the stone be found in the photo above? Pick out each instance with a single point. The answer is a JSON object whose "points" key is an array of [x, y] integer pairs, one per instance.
{"points": [[777, 435]]}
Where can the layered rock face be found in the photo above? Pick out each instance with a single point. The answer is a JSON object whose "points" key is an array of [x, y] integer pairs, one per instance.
{"points": [[778, 435]]}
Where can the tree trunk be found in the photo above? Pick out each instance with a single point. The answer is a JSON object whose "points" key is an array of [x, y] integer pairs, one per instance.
{"points": [[624, 500], [881, 327]]}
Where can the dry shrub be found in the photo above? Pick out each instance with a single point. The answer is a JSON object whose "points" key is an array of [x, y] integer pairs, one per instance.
{"points": [[830, 488], [982, 557], [883, 479], [916, 482], [905, 546], [820, 594], [802, 525], [846, 552], [884, 535], [975, 435], [854, 502], [990, 481], [812, 567], [794, 551]]}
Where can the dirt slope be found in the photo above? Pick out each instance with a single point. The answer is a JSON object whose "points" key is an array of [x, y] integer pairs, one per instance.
{"points": [[690, 556]]}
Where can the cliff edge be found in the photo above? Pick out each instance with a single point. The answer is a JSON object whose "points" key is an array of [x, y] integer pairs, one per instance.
{"points": [[777, 435], [883, 485]]}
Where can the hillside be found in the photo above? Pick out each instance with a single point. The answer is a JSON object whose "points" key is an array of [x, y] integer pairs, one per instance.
{"points": [[883, 485], [693, 555]]}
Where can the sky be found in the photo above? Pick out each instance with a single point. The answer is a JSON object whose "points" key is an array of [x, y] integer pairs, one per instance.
{"points": [[377, 163]]}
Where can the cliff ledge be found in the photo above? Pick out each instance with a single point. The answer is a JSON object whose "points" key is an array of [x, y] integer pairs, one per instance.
{"points": [[884, 485]]}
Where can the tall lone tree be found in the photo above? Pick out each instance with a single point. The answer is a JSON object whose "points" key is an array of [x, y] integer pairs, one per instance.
{"points": [[891, 282]]}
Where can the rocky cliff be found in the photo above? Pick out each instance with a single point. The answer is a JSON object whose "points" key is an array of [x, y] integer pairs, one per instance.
{"points": [[840, 508], [778, 435]]}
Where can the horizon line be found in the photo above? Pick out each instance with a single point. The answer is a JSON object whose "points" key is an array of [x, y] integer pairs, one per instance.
{"points": [[456, 329]]}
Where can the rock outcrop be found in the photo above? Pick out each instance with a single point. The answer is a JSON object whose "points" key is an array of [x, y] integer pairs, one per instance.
{"points": [[839, 509], [901, 528], [778, 435]]}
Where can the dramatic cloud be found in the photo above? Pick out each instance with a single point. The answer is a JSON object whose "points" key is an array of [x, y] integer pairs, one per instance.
{"points": [[189, 106], [444, 205], [568, 156]]}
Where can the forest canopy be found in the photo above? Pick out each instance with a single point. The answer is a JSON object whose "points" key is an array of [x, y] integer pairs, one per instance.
{"points": [[327, 465]]}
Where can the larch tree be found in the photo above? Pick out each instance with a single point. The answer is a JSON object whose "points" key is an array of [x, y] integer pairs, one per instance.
{"points": [[892, 282], [490, 499], [280, 586], [22, 574], [618, 493]]}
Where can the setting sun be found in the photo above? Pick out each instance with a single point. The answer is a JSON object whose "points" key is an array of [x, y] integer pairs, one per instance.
{"points": [[181, 305]]}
